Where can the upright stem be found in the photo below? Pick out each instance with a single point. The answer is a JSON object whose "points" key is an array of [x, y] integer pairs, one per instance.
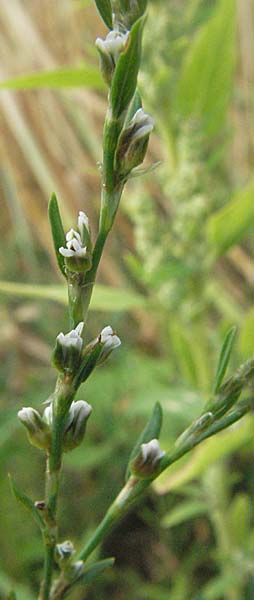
{"points": [[64, 395]]}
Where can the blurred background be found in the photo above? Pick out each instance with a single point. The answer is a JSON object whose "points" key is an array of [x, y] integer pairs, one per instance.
{"points": [[176, 274]]}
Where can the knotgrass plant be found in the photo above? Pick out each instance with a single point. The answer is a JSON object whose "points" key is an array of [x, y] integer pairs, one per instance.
{"points": [[62, 425]]}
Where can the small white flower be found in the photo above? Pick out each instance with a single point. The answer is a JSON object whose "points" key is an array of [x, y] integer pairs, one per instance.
{"points": [[30, 418], [143, 124], [113, 44], [109, 338], [151, 452], [72, 339], [74, 247], [78, 411]]}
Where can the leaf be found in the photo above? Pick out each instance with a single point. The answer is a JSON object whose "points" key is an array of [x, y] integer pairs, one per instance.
{"points": [[206, 81], [57, 231], [64, 77], [124, 81], [27, 503], [151, 431], [229, 225], [95, 570], [187, 510], [225, 354], [105, 11], [104, 297]]}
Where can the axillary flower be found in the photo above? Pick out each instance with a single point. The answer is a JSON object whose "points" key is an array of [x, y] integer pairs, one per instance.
{"points": [[148, 459], [110, 50], [67, 351], [78, 246], [133, 142], [110, 342]]}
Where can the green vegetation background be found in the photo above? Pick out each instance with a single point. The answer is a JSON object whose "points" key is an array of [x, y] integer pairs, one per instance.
{"points": [[177, 273]]}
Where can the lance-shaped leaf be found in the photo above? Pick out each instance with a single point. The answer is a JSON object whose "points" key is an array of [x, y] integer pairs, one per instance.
{"points": [[224, 358], [229, 392], [65, 77], [57, 231], [27, 503], [124, 82], [105, 11], [95, 570], [151, 431]]}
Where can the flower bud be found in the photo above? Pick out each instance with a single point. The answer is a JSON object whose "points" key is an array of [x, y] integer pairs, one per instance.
{"points": [[110, 341], [110, 50], [133, 142], [76, 256], [76, 424], [147, 461], [37, 430], [64, 553], [67, 352]]}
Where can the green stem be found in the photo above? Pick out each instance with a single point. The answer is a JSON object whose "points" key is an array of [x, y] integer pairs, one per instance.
{"points": [[134, 489], [129, 495], [64, 395]]}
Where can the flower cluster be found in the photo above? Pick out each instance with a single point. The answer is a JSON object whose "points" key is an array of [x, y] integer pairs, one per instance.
{"points": [[77, 253]]}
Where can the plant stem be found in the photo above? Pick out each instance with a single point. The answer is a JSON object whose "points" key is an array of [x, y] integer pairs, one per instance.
{"points": [[64, 395], [135, 489]]}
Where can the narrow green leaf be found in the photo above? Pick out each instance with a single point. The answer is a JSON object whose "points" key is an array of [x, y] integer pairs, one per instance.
{"points": [[104, 297], [125, 77], [95, 570], [105, 11], [67, 77], [206, 81], [151, 431], [57, 231], [228, 226], [27, 503], [224, 358], [185, 511]]}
